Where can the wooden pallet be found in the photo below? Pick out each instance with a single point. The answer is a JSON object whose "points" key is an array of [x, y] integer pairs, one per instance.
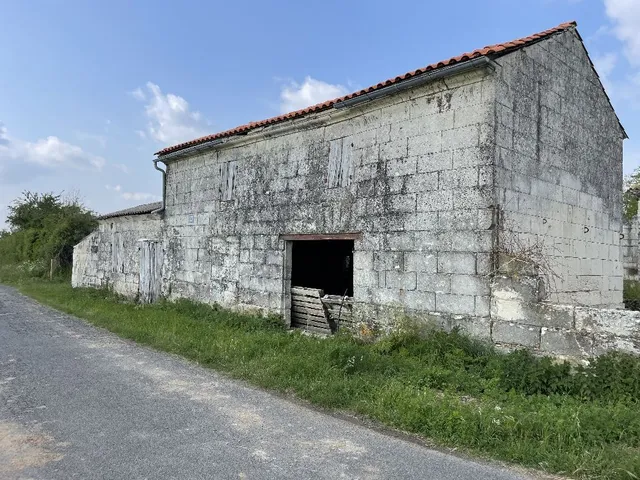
{"points": [[308, 311], [339, 309]]}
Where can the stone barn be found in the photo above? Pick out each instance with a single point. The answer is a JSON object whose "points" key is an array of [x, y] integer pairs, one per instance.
{"points": [[111, 255], [466, 191]]}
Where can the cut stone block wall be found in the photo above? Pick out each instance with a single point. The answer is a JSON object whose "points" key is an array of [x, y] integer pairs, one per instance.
{"points": [[519, 320], [439, 182], [559, 168], [110, 256], [412, 172]]}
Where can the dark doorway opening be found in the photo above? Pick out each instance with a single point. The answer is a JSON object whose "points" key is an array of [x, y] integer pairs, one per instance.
{"points": [[323, 264]]}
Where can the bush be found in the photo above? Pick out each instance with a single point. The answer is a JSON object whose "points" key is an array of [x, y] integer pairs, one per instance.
{"points": [[631, 294], [44, 227]]}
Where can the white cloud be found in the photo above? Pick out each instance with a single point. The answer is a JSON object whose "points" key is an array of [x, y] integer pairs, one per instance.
{"points": [[101, 140], [121, 166], [629, 90], [605, 63], [604, 66], [140, 197], [18, 157], [138, 94], [133, 196], [171, 119], [626, 17], [296, 96]]}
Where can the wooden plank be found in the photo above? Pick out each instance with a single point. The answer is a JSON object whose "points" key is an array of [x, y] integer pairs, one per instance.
{"points": [[319, 317], [311, 311], [311, 306], [306, 302], [316, 310], [306, 292], [303, 318], [346, 165], [227, 176], [324, 331], [311, 324], [309, 316], [304, 323], [308, 295], [335, 161]]}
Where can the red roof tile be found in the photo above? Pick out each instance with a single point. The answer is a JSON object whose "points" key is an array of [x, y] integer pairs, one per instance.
{"points": [[500, 48]]}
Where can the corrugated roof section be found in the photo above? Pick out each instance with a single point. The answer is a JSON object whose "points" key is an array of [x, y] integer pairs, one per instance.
{"points": [[137, 210], [490, 50]]}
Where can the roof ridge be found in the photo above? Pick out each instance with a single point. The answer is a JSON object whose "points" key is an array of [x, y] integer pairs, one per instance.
{"points": [[135, 210], [498, 48]]}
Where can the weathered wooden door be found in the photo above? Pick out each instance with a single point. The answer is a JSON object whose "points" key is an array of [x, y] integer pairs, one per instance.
{"points": [[150, 270]]}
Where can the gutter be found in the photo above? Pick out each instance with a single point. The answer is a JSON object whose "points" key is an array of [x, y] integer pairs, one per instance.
{"points": [[415, 81], [164, 184]]}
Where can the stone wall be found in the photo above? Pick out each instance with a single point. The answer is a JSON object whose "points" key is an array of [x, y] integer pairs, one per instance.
{"points": [[519, 319], [446, 187], [631, 248], [559, 169], [412, 172], [110, 256]]}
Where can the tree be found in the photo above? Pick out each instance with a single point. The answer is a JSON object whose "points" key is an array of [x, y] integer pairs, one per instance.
{"points": [[45, 226], [631, 194], [32, 209]]}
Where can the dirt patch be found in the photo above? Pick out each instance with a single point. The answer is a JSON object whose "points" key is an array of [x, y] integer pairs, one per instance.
{"points": [[20, 450]]}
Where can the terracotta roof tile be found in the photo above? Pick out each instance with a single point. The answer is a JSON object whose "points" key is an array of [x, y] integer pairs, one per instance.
{"points": [[137, 210], [488, 50]]}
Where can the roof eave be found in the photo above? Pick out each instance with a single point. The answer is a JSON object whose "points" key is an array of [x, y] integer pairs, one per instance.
{"points": [[343, 103]]}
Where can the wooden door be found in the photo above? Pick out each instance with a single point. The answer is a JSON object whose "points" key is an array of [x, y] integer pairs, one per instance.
{"points": [[150, 270]]}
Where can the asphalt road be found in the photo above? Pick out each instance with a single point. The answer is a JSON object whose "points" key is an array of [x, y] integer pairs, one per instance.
{"points": [[78, 402]]}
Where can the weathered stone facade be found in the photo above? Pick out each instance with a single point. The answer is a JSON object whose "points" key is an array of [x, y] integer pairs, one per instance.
{"points": [[110, 256], [418, 188], [519, 157], [559, 168]]}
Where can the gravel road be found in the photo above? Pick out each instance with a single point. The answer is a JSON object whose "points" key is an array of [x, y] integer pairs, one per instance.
{"points": [[79, 402]]}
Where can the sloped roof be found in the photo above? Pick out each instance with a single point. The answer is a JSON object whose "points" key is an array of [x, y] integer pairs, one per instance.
{"points": [[137, 210], [490, 50]]}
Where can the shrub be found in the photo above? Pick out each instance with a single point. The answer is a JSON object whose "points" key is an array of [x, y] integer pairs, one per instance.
{"points": [[44, 227], [631, 294]]}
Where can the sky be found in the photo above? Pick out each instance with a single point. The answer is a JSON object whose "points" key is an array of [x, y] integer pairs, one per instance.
{"points": [[89, 91]]}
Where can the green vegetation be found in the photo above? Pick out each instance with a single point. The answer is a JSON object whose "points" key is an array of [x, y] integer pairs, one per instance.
{"points": [[578, 421], [631, 194], [44, 227], [631, 294]]}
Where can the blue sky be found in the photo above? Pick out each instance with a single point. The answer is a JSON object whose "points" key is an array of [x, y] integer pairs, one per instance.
{"points": [[90, 90]]}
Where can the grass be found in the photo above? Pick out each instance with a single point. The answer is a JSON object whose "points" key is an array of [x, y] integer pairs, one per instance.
{"points": [[448, 388]]}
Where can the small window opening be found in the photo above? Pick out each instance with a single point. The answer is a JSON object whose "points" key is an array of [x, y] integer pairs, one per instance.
{"points": [[323, 264]]}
